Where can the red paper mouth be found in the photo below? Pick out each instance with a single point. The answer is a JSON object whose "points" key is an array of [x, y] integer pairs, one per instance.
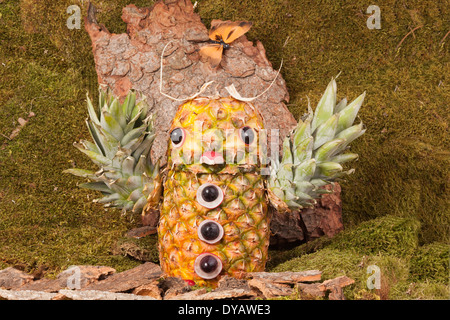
{"points": [[212, 157]]}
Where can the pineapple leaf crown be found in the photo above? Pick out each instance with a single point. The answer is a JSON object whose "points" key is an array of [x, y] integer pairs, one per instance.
{"points": [[313, 154], [123, 134]]}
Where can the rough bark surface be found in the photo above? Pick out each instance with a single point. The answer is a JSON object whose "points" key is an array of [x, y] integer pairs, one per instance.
{"points": [[325, 218]]}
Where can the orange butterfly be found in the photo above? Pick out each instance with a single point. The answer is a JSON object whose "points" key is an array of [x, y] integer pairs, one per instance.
{"points": [[221, 35]]}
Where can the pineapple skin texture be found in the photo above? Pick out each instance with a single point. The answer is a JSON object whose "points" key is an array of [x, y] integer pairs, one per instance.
{"points": [[243, 213]]}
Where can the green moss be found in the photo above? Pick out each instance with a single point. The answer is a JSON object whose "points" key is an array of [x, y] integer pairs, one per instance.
{"points": [[142, 249], [331, 262], [388, 235], [431, 262], [279, 256], [424, 290]]}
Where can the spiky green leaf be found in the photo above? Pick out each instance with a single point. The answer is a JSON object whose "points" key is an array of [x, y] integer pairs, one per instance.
{"points": [[329, 169], [343, 158], [326, 131], [305, 171], [111, 125], [97, 186], [328, 149], [348, 114], [81, 173], [325, 107], [303, 151]]}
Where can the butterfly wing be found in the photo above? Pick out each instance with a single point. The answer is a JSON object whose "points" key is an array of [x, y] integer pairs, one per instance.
{"points": [[212, 52], [229, 31]]}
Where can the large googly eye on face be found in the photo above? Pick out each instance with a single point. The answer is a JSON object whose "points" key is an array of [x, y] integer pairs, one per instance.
{"points": [[209, 195], [207, 265], [210, 231], [247, 135], [177, 137]]}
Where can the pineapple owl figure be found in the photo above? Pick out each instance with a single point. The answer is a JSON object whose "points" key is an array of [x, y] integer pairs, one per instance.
{"points": [[214, 216], [215, 195]]}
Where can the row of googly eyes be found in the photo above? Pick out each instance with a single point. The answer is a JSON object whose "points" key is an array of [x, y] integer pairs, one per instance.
{"points": [[178, 135], [208, 265]]}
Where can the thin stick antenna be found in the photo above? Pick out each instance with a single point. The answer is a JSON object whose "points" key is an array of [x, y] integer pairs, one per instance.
{"points": [[235, 94]]}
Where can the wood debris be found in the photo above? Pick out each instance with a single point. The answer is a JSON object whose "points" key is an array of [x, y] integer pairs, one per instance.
{"points": [[146, 282], [288, 276], [22, 122]]}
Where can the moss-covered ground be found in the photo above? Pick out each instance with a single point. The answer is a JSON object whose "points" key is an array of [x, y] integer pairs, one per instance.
{"points": [[388, 244], [402, 174]]}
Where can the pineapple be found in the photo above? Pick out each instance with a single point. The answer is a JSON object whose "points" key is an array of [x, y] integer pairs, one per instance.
{"points": [[214, 214], [218, 187]]}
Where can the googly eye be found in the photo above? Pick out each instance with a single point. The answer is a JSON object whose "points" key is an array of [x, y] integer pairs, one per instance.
{"points": [[209, 195], [210, 231], [177, 137], [247, 135], [207, 266]]}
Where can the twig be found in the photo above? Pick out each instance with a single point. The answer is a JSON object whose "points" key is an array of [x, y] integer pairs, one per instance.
{"points": [[16, 131], [412, 31], [6, 136], [442, 41]]}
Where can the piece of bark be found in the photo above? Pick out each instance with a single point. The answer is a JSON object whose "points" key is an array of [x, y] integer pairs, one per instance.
{"points": [[75, 277], [141, 232], [78, 277], [26, 295], [11, 278], [286, 228], [149, 290], [339, 282], [311, 289], [101, 295], [227, 283], [227, 294], [173, 286], [270, 289], [335, 287], [45, 285], [201, 294], [128, 247], [325, 218], [336, 293], [190, 295], [287, 277], [60, 297], [128, 280]]}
